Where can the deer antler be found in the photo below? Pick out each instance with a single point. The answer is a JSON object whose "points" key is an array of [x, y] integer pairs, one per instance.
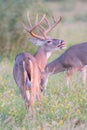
{"points": [[42, 28]]}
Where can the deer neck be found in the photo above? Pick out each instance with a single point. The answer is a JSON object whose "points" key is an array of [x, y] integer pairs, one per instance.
{"points": [[55, 67], [41, 57]]}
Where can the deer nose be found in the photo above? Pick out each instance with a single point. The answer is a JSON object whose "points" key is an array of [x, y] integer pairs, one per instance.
{"points": [[61, 41]]}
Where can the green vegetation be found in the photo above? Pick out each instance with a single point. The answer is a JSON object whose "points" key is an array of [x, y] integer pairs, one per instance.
{"points": [[12, 36], [63, 108]]}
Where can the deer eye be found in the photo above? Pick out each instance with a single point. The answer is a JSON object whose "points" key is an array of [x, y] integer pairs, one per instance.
{"points": [[49, 41]]}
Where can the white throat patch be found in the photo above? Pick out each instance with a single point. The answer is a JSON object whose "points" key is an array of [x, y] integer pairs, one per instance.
{"points": [[48, 54]]}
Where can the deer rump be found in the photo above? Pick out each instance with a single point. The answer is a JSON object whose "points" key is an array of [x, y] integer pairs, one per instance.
{"points": [[27, 76]]}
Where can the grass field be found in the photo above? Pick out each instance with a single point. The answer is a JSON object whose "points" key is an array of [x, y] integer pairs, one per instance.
{"points": [[63, 108]]}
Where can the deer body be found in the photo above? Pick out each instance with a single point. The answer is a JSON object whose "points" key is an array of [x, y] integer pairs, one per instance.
{"points": [[28, 68], [72, 60]]}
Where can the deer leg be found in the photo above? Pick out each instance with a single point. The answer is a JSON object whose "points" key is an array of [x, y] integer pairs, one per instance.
{"points": [[45, 85], [26, 98], [69, 73], [39, 95], [32, 100], [44, 82], [67, 79], [83, 73]]}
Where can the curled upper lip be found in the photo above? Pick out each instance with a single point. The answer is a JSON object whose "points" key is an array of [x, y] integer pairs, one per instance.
{"points": [[61, 44]]}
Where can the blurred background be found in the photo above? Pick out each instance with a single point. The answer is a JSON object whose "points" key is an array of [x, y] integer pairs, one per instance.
{"points": [[63, 108], [13, 39]]}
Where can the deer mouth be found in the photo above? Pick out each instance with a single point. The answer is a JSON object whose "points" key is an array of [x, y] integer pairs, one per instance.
{"points": [[62, 45]]}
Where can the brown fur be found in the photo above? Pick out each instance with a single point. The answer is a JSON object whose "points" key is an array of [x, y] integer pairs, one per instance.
{"points": [[28, 69]]}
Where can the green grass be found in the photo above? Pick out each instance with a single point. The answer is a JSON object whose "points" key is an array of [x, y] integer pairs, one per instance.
{"points": [[62, 107], [60, 104]]}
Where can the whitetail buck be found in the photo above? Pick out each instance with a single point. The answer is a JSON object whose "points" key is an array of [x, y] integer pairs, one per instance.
{"points": [[72, 60], [28, 68]]}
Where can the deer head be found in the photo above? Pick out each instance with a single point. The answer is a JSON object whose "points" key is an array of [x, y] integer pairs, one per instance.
{"points": [[47, 42]]}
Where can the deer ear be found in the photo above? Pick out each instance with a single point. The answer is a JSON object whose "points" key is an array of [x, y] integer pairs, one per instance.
{"points": [[33, 41], [37, 42]]}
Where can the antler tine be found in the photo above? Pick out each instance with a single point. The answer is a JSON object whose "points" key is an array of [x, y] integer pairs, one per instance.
{"points": [[54, 19], [46, 20], [36, 19], [29, 21], [42, 30], [54, 25], [37, 24]]}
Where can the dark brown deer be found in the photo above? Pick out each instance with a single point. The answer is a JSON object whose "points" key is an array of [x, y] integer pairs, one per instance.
{"points": [[28, 68], [72, 60]]}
